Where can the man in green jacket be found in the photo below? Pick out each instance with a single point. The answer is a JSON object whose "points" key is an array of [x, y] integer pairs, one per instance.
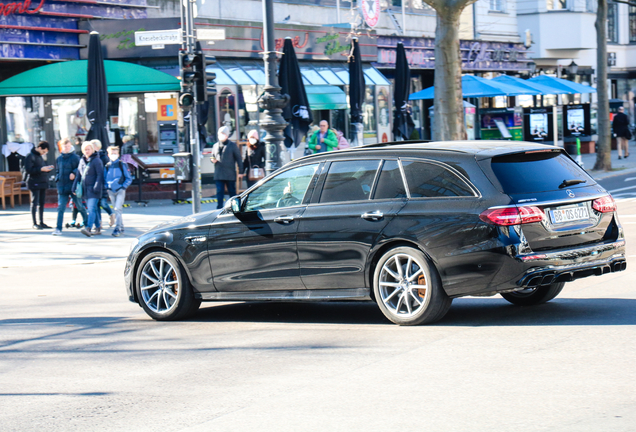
{"points": [[323, 140]]}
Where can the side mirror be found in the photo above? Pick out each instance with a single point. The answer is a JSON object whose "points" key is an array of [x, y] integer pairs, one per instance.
{"points": [[235, 204]]}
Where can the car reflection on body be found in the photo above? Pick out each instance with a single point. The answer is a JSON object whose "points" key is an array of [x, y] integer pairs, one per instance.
{"points": [[410, 226]]}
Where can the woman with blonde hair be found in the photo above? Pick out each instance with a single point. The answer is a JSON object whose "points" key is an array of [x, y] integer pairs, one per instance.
{"points": [[89, 183]]}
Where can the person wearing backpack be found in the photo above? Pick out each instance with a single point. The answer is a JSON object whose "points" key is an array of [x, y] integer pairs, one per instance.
{"points": [[117, 179], [103, 201], [36, 175], [67, 164], [89, 183]]}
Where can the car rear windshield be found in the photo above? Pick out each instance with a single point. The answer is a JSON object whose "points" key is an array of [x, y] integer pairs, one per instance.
{"points": [[539, 171]]}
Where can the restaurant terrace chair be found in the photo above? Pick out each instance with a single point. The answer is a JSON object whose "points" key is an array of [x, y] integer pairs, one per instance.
{"points": [[19, 187], [6, 191]]}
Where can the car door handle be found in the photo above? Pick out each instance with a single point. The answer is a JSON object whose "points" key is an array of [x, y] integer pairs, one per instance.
{"points": [[376, 215], [284, 219]]}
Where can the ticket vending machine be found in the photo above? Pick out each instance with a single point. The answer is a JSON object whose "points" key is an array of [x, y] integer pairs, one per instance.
{"points": [[168, 137]]}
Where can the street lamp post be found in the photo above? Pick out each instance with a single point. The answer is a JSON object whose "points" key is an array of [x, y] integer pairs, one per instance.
{"points": [[271, 101]]}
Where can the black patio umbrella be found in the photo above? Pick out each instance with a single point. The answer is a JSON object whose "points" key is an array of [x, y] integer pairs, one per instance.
{"points": [[402, 123], [357, 88], [96, 92], [297, 112]]}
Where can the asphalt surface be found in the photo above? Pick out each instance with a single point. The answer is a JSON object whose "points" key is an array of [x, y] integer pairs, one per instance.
{"points": [[76, 355]]}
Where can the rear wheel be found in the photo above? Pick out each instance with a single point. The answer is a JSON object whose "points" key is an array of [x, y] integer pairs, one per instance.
{"points": [[534, 296], [408, 289], [163, 288]]}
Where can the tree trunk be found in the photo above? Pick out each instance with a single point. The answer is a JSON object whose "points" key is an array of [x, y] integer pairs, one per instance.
{"points": [[603, 157], [449, 106]]}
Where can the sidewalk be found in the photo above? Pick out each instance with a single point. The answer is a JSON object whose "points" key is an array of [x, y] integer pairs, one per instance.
{"points": [[619, 167]]}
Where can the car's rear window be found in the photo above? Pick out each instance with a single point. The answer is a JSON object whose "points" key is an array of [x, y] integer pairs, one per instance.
{"points": [[540, 171]]}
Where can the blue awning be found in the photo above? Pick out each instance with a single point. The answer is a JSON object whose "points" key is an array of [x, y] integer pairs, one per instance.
{"points": [[542, 88], [564, 86], [473, 86]]}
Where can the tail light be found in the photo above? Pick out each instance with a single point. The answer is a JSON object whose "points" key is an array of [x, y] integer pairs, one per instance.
{"points": [[604, 204], [513, 215]]}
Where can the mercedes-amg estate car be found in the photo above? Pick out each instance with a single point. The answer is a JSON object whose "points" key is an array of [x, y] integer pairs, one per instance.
{"points": [[410, 226]]}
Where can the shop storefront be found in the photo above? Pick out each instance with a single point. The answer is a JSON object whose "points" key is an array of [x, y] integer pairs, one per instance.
{"points": [[482, 58], [41, 33], [49, 103], [240, 76]]}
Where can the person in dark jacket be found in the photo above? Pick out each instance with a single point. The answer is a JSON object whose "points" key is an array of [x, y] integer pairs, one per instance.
{"points": [[103, 201], [90, 181], [225, 157], [254, 156], [620, 126], [38, 181], [116, 179], [67, 164]]}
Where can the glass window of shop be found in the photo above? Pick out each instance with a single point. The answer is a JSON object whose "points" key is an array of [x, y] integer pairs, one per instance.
{"points": [[383, 107], [25, 119], [368, 116], [151, 103], [227, 109], [128, 125], [69, 121]]}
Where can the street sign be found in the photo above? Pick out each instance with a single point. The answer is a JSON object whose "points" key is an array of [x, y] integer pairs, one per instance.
{"points": [[158, 37], [210, 34]]}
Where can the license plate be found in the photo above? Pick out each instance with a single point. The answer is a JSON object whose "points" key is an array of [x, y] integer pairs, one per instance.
{"points": [[569, 214]]}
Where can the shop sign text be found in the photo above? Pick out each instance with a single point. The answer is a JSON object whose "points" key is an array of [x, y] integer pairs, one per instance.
{"points": [[7, 9]]}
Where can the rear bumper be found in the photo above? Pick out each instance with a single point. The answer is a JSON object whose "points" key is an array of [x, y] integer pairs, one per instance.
{"points": [[572, 264]]}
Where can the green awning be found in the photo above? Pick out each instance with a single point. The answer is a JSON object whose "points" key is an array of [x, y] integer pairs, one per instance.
{"points": [[326, 97], [69, 78]]}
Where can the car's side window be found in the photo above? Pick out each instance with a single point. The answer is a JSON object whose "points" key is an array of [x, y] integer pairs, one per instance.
{"points": [[427, 180], [349, 181], [390, 184], [284, 190]]}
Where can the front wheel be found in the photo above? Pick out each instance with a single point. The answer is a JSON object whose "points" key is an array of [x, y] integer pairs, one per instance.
{"points": [[534, 296], [408, 289], [163, 288]]}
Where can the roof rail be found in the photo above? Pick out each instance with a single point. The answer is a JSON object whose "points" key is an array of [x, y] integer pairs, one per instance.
{"points": [[392, 143]]}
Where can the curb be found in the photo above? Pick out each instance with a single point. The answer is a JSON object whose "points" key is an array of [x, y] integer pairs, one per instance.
{"points": [[189, 201], [602, 175]]}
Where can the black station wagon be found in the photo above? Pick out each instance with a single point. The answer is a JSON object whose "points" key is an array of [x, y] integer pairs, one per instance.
{"points": [[407, 225]]}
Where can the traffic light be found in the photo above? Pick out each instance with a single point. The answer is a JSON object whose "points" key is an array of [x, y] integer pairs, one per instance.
{"points": [[210, 77], [187, 66], [188, 77], [186, 100], [201, 61]]}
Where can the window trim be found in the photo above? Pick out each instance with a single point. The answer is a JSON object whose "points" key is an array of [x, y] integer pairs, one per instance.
{"points": [[476, 193]]}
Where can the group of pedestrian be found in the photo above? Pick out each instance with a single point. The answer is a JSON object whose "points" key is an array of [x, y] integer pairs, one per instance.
{"points": [[226, 157], [88, 181], [325, 139]]}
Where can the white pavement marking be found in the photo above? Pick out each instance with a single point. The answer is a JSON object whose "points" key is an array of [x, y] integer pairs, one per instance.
{"points": [[622, 189], [630, 179]]}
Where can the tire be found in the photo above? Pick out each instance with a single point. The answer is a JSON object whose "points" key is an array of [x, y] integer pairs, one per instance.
{"points": [[534, 296], [408, 289], [163, 288]]}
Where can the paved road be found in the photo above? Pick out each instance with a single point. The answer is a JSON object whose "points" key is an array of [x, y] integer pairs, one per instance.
{"points": [[75, 355]]}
